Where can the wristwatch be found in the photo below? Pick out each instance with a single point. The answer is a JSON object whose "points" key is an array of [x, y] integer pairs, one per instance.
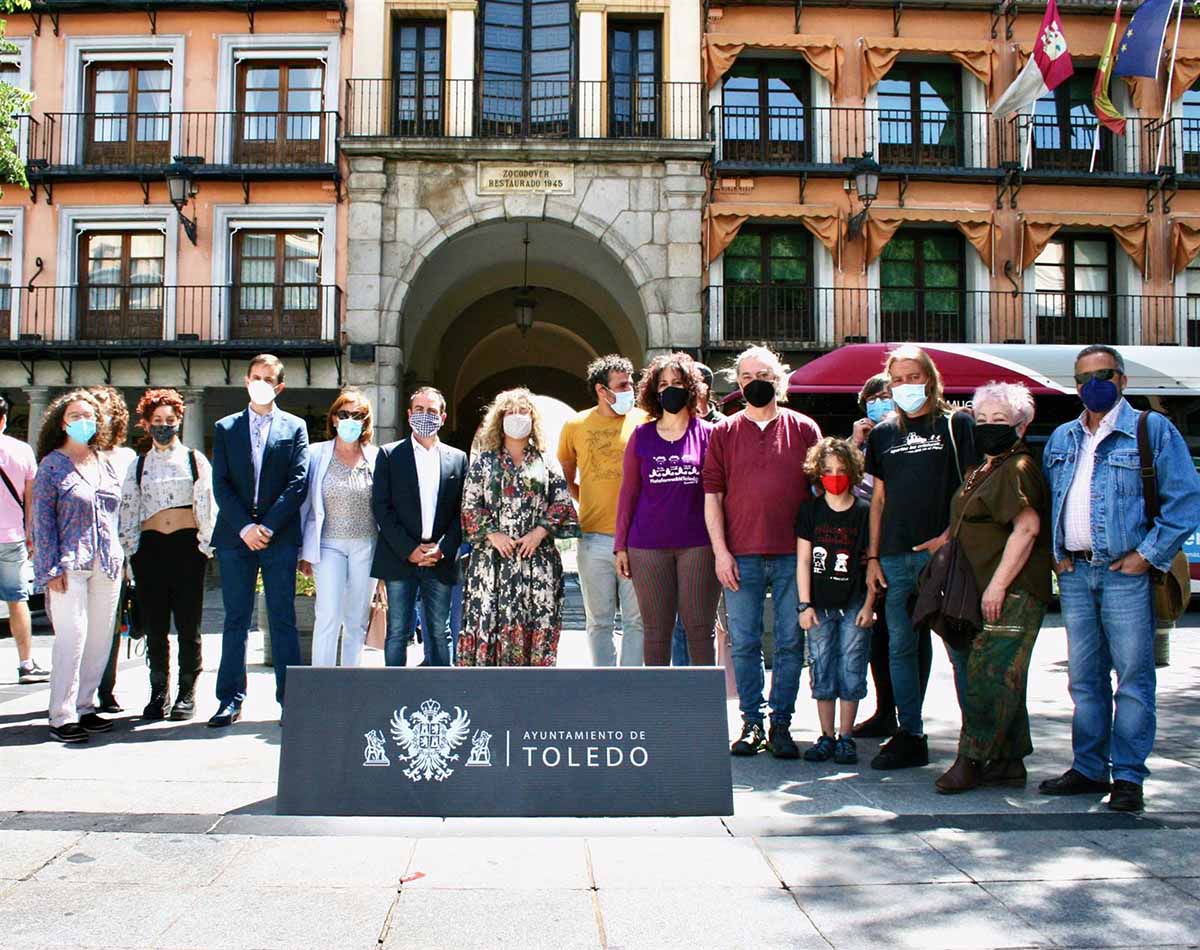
{"points": [[802, 606]]}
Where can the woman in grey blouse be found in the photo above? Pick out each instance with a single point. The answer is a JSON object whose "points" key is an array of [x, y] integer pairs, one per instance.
{"points": [[167, 518], [340, 530]]}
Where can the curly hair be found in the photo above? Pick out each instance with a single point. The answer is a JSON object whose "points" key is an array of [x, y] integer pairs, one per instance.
{"points": [[686, 367], [153, 399], [113, 422], [843, 449], [490, 437], [52, 436], [347, 395], [600, 371]]}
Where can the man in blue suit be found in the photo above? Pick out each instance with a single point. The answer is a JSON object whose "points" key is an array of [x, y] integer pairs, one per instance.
{"points": [[260, 475]]}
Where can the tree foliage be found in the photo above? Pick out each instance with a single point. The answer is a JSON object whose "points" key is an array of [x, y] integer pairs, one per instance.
{"points": [[13, 104]]}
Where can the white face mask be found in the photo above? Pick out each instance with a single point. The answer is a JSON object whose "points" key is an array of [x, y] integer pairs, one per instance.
{"points": [[518, 425], [261, 392], [623, 401]]}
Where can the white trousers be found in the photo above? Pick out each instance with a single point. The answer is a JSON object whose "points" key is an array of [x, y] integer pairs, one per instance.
{"points": [[344, 587], [83, 619]]}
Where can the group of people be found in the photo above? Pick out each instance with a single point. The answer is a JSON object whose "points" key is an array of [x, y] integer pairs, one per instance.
{"points": [[682, 516]]}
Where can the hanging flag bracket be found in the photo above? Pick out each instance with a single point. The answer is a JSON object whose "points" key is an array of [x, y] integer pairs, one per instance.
{"points": [[1009, 185]]}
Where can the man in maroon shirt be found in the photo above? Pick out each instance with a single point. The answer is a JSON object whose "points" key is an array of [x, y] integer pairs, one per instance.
{"points": [[754, 484]]}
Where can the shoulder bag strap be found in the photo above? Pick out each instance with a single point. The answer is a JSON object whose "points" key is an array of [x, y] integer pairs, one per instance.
{"points": [[954, 446], [974, 488], [195, 468], [1146, 460], [141, 467], [12, 488]]}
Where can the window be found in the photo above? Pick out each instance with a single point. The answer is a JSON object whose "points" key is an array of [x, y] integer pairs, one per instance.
{"points": [[277, 285], [121, 285], [634, 68], [417, 73], [765, 113], [282, 118], [6, 274], [1075, 287], [528, 61], [1064, 128], [922, 287], [128, 120], [920, 116], [1189, 130], [768, 285], [1192, 288]]}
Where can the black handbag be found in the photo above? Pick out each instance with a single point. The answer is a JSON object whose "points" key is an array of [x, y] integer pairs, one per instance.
{"points": [[129, 612]]}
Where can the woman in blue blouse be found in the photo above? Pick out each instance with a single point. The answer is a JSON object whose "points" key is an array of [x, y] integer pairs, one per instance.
{"points": [[77, 558]]}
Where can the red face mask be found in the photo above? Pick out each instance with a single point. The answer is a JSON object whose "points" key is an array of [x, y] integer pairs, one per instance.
{"points": [[835, 484]]}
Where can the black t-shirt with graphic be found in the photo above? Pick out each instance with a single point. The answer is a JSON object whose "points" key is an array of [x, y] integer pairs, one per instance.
{"points": [[920, 475], [839, 544]]}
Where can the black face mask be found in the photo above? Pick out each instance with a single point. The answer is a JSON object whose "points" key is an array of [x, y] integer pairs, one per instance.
{"points": [[163, 434], [673, 398], [994, 438], [759, 392]]}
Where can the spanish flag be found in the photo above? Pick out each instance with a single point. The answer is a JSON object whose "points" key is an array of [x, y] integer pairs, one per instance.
{"points": [[1106, 113]]}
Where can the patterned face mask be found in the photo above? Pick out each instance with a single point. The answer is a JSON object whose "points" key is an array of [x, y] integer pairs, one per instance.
{"points": [[425, 424]]}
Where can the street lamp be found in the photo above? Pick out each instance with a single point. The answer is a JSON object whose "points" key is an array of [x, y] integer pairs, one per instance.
{"points": [[866, 183], [524, 305], [181, 187]]}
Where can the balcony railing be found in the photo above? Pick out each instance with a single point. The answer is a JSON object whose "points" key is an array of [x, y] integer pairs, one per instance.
{"points": [[801, 316], [139, 315], [515, 109], [89, 141], [1066, 146]]}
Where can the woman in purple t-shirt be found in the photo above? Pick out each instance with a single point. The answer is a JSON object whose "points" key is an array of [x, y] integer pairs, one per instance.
{"points": [[661, 542]]}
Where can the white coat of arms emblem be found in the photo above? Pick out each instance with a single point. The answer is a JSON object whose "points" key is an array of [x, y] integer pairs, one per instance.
{"points": [[375, 753], [481, 753], [429, 737]]}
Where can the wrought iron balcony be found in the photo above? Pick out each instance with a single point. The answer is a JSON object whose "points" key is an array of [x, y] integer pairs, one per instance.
{"points": [[823, 317], [519, 109], [201, 320], [1063, 146], [228, 144]]}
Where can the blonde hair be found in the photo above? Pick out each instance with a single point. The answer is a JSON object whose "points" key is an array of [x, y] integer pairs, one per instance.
{"points": [[490, 437], [917, 355]]}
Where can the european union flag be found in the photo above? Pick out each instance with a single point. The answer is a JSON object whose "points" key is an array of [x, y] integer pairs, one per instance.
{"points": [[1140, 47]]}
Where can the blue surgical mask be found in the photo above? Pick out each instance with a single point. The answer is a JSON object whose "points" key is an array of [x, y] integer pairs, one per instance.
{"points": [[877, 409], [1099, 395], [81, 430], [909, 396], [623, 401], [349, 430]]}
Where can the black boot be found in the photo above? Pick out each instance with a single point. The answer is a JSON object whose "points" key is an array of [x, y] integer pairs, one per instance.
{"points": [[159, 698], [185, 702]]}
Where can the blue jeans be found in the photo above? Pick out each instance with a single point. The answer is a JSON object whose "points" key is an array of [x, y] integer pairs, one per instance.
{"points": [[343, 603], [602, 590], [679, 647], [1110, 626], [901, 571], [745, 609], [435, 610], [838, 649], [239, 571]]}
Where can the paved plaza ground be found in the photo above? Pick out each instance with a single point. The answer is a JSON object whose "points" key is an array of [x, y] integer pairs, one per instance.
{"points": [[164, 835]]}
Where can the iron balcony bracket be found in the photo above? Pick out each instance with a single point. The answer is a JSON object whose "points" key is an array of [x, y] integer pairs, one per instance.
{"points": [[29, 366], [185, 364], [1010, 184], [144, 359], [67, 365], [106, 368], [799, 10], [897, 13], [153, 15]]}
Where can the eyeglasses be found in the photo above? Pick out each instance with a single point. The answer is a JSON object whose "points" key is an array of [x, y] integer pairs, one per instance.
{"points": [[359, 414], [1101, 374]]}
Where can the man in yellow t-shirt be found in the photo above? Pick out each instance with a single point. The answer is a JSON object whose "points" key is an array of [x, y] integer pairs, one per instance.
{"points": [[592, 446]]}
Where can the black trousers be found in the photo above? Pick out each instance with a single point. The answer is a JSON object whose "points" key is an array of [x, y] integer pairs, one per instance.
{"points": [[168, 570]]}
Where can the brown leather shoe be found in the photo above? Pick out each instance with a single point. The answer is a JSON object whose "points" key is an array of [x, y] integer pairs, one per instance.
{"points": [[1009, 773], [962, 776]]}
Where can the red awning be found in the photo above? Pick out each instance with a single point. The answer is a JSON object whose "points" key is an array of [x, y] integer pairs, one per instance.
{"points": [[964, 368]]}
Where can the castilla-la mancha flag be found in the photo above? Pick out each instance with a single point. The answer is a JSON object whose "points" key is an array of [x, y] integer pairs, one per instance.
{"points": [[1048, 67]]}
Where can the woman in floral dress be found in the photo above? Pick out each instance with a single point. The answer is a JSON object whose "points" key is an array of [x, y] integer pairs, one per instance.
{"points": [[515, 504]]}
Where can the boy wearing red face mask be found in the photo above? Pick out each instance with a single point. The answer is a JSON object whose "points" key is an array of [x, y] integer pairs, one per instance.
{"points": [[836, 604]]}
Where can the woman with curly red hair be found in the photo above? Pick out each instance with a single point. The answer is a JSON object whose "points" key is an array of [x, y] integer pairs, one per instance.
{"points": [[167, 518]]}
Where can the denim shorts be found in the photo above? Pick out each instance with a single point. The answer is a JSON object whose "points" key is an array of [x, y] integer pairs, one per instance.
{"points": [[16, 572], [838, 651]]}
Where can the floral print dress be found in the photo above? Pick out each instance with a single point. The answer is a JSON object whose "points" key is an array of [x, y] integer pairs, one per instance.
{"points": [[512, 615]]}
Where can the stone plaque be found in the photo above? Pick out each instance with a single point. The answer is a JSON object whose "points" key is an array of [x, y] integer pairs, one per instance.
{"points": [[503, 178], [505, 742]]}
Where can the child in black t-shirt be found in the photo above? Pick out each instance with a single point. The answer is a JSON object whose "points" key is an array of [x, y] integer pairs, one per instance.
{"points": [[836, 605]]}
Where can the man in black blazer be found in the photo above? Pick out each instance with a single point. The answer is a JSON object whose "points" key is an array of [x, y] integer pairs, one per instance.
{"points": [[417, 500], [260, 476]]}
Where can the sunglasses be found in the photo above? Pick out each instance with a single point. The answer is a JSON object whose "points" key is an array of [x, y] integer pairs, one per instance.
{"points": [[359, 414], [1101, 374]]}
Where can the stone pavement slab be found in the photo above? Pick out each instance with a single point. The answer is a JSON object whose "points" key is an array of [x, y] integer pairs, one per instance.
{"points": [[486, 919], [119, 860], [513, 864], [25, 852], [690, 862], [58, 915], [1161, 853], [1105, 913], [666, 916], [1189, 885], [921, 916], [877, 859], [1030, 856], [314, 862]]}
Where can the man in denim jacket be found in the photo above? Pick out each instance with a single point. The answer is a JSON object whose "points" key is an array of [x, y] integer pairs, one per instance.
{"points": [[1104, 549]]}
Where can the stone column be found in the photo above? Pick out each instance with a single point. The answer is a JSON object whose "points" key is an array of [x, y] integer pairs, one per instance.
{"points": [[194, 425], [460, 66], [39, 399], [592, 95]]}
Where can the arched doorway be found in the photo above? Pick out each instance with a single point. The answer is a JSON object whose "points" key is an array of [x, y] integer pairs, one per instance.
{"points": [[458, 324]]}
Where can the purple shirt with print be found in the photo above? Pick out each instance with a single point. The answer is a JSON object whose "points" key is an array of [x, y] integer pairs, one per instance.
{"points": [[74, 521]]}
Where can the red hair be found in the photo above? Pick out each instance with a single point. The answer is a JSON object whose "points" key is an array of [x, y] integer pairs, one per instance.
{"points": [[153, 399]]}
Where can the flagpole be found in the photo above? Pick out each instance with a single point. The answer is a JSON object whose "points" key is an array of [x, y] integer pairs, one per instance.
{"points": [[1111, 52], [1162, 131], [1095, 147]]}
